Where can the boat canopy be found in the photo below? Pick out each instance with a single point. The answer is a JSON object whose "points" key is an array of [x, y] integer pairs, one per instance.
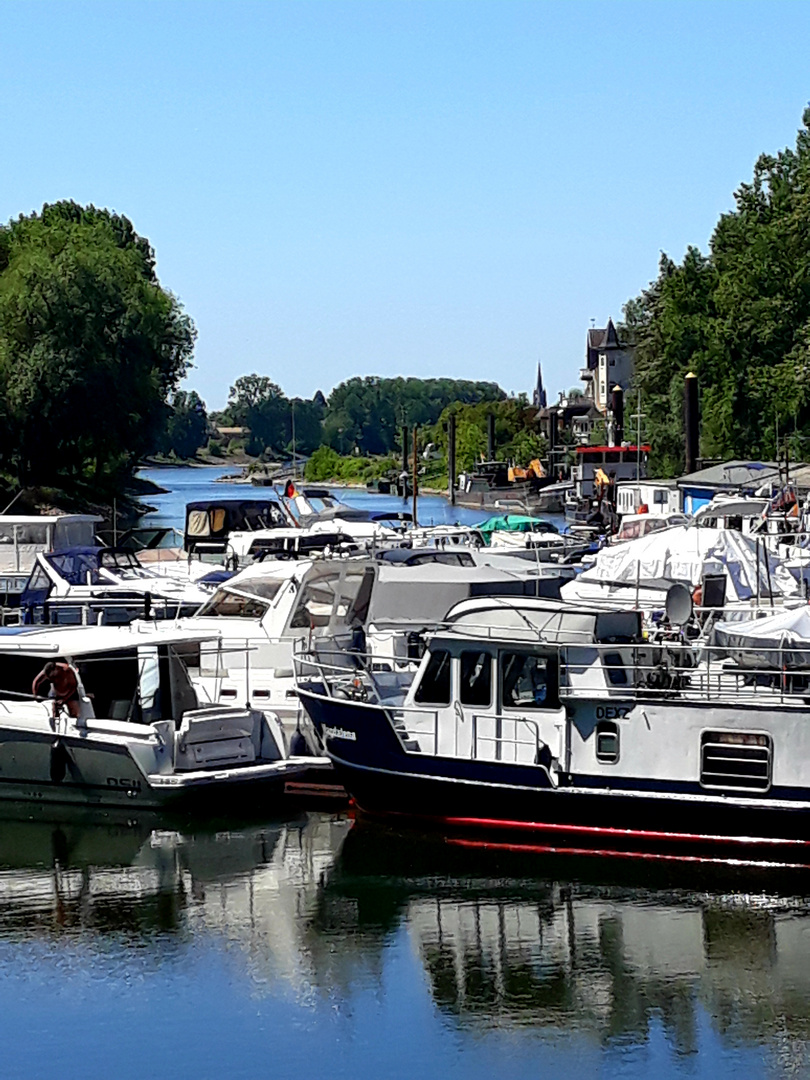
{"points": [[522, 523], [425, 593], [687, 554], [776, 641], [215, 518]]}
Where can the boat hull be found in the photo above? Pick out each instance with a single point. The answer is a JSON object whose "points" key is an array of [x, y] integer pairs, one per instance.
{"points": [[47, 768], [498, 799]]}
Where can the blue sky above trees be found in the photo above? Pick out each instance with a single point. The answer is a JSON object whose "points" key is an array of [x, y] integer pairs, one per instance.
{"points": [[417, 188]]}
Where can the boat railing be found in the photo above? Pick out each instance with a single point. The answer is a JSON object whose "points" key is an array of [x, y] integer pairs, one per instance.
{"points": [[686, 671], [509, 748], [349, 679], [514, 739]]}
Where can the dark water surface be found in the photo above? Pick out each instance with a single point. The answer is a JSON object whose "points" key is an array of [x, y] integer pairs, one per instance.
{"points": [[318, 947]]}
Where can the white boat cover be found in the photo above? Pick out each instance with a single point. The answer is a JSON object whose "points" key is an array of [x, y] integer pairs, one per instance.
{"points": [[686, 553], [776, 641]]}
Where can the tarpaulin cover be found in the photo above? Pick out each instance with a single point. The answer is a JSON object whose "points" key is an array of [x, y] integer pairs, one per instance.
{"points": [[685, 553], [776, 641]]}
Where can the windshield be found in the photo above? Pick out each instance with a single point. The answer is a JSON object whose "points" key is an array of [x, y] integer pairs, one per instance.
{"points": [[233, 606], [250, 600], [325, 592]]}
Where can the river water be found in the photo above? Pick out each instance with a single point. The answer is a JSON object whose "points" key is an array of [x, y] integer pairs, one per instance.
{"points": [[314, 946], [188, 484]]}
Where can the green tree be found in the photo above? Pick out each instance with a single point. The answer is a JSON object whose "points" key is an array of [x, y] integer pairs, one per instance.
{"points": [[187, 427], [516, 436], [367, 412], [738, 317], [91, 346]]}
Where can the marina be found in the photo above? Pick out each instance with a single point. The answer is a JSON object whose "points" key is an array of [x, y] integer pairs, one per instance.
{"points": [[522, 916], [405, 541]]}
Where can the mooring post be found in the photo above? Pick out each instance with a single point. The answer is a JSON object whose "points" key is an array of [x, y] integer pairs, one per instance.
{"points": [[691, 422], [451, 458], [415, 474]]}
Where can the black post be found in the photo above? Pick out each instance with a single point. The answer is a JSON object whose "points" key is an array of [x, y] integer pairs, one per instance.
{"points": [[415, 474], [451, 458], [691, 422], [491, 436], [617, 408], [552, 441]]}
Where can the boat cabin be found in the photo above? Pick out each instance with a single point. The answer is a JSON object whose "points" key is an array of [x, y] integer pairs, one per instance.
{"points": [[209, 523], [660, 497], [491, 684], [635, 525], [626, 462]]}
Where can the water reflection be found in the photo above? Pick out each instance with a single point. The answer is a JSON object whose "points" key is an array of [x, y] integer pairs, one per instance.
{"points": [[320, 912], [610, 950]]}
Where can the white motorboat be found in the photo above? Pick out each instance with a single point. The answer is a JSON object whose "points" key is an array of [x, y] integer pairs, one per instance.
{"points": [[24, 536], [91, 584], [141, 738]]}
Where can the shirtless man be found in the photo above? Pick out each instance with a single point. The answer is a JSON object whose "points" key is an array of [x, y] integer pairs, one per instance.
{"points": [[59, 681]]}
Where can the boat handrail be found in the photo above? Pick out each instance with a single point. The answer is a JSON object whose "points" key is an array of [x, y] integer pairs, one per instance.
{"points": [[648, 670]]}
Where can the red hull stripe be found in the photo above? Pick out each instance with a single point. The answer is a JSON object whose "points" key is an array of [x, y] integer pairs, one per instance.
{"points": [[627, 834], [549, 849]]}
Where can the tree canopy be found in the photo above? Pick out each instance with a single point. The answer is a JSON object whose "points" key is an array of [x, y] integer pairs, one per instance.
{"points": [[739, 317], [367, 412], [91, 346], [187, 427], [361, 414]]}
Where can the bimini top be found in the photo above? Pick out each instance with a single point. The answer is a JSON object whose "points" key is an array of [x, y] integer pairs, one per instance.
{"points": [[213, 519]]}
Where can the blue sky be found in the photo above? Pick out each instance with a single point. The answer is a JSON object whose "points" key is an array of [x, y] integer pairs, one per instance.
{"points": [[417, 188]]}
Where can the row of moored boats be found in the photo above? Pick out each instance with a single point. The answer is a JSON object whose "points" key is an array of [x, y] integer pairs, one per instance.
{"points": [[506, 682]]}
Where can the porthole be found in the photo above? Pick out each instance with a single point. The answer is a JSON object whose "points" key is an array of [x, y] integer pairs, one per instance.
{"points": [[607, 742]]}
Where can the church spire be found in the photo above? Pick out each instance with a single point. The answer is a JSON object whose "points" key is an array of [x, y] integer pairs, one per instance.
{"points": [[539, 396]]}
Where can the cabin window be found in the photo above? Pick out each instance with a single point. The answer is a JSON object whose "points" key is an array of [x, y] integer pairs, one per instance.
{"points": [[198, 523], [527, 681], [660, 498], [615, 669], [434, 689], [607, 742], [736, 759], [476, 679], [612, 457]]}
